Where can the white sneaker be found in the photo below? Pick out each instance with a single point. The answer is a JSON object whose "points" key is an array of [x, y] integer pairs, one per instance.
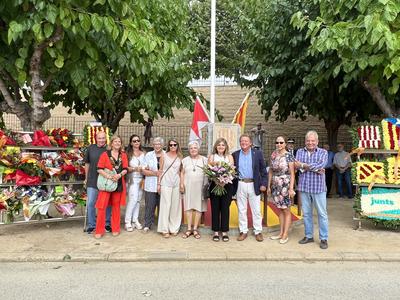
{"points": [[137, 225], [128, 227], [146, 229]]}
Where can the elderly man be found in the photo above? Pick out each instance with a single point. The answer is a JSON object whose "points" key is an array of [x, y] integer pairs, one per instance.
{"points": [[252, 180], [91, 159], [342, 163], [311, 162]]}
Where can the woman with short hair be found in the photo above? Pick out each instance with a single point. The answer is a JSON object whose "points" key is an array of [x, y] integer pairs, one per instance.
{"points": [[192, 185], [152, 171]]}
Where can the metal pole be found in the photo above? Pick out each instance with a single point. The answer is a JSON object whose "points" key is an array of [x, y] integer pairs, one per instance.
{"points": [[212, 75], [212, 67]]}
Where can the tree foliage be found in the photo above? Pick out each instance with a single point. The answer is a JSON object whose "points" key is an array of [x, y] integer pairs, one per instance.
{"points": [[230, 48], [291, 81], [365, 35], [110, 56]]}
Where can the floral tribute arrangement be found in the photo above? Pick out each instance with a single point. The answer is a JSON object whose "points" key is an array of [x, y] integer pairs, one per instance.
{"points": [[89, 134], [379, 204], [369, 136], [369, 171], [60, 137], [221, 173], [29, 201], [66, 201], [391, 133]]}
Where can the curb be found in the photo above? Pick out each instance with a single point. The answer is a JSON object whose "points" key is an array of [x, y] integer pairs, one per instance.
{"points": [[180, 256]]}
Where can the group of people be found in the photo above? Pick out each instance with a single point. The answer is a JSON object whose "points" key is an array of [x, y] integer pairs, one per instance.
{"points": [[169, 180]]}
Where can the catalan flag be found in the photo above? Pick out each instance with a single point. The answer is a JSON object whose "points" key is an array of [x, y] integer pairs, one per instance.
{"points": [[240, 116]]}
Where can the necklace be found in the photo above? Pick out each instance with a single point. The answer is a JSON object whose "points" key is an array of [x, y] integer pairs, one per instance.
{"points": [[193, 165]]}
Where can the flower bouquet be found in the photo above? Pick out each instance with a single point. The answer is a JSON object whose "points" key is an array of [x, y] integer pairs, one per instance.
{"points": [[10, 204], [65, 202], [221, 173], [60, 137]]}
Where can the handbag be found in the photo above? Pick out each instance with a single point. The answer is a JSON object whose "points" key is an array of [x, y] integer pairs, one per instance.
{"points": [[105, 184]]}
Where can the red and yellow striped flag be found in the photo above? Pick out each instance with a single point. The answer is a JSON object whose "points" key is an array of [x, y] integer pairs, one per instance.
{"points": [[240, 116]]}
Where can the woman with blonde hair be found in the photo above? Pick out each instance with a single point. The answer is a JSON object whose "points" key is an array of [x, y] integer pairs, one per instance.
{"points": [[220, 205], [192, 185], [170, 214], [135, 177], [113, 159]]}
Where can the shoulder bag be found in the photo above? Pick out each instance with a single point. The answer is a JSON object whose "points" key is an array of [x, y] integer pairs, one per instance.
{"points": [[105, 184]]}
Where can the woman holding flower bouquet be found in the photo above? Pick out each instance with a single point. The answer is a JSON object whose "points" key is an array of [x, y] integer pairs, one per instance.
{"points": [[220, 162], [192, 182], [170, 214], [281, 186], [115, 159]]}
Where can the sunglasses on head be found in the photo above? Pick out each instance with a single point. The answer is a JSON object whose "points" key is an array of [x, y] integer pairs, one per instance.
{"points": [[173, 145], [135, 141], [279, 143]]}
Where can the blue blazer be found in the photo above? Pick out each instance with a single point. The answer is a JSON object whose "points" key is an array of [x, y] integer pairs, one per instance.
{"points": [[259, 170]]}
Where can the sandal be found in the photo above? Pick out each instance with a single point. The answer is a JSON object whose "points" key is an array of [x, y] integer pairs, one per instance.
{"points": [[225, 238], [196, 234], [165, 235], [187, 234], [215, 238]]}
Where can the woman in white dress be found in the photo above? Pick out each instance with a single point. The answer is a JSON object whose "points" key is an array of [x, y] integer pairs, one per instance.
{"points": [[135, 177], [193, 181], [170, 215]]}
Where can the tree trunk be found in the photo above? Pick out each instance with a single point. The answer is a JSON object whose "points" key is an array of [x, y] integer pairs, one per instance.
{"points": [[332, 129], [379, 98]]}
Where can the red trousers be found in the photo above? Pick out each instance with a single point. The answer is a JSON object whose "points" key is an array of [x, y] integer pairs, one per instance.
{"points": [[114, 199]]}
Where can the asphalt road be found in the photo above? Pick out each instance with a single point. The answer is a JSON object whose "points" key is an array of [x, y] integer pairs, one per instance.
{"points": [[200, 280]]}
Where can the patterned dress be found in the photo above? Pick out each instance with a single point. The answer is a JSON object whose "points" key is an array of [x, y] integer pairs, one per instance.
{"points": [[280, 178]]}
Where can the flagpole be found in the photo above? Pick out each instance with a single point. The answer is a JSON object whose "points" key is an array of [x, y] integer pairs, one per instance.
{"points": [[212, 67], [212, 75]]}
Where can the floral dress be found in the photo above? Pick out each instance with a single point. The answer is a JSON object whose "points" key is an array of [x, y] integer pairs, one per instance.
{"points": [[280, 178]]}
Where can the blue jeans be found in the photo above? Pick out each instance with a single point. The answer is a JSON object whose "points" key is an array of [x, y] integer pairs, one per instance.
{"points": [[347, 179], [91, 209], [319, 200]]}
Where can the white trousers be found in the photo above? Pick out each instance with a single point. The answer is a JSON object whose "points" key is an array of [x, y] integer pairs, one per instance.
{"points": [[245, 192], [135, 194], [170, 215]]}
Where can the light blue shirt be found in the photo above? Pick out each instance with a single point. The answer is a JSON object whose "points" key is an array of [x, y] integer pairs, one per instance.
{"points": [[150, 182], [245, 165]]}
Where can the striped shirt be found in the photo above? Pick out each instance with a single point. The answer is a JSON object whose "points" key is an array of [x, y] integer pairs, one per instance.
{"points": [[310, 181]]}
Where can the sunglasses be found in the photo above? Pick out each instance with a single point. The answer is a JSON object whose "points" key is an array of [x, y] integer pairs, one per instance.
{"points": [[280, 143], [173, 145], [135, 141]]}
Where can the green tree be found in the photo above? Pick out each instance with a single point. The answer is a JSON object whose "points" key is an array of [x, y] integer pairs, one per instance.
{"points": [[110, 56], [230, 48], [290, 81], [365, 35]]}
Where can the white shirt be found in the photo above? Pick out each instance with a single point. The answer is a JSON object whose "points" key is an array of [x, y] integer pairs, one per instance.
{"points": [[150, 182]]}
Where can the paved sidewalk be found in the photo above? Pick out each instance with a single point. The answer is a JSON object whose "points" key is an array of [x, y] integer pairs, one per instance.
{"points": [[66, 241]]}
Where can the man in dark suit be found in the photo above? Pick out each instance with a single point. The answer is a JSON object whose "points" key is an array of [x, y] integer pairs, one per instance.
{"points": [[251, 182]]}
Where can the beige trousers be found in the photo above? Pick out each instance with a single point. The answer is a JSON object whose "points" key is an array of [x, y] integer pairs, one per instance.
{"points": [[170, 216]]}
